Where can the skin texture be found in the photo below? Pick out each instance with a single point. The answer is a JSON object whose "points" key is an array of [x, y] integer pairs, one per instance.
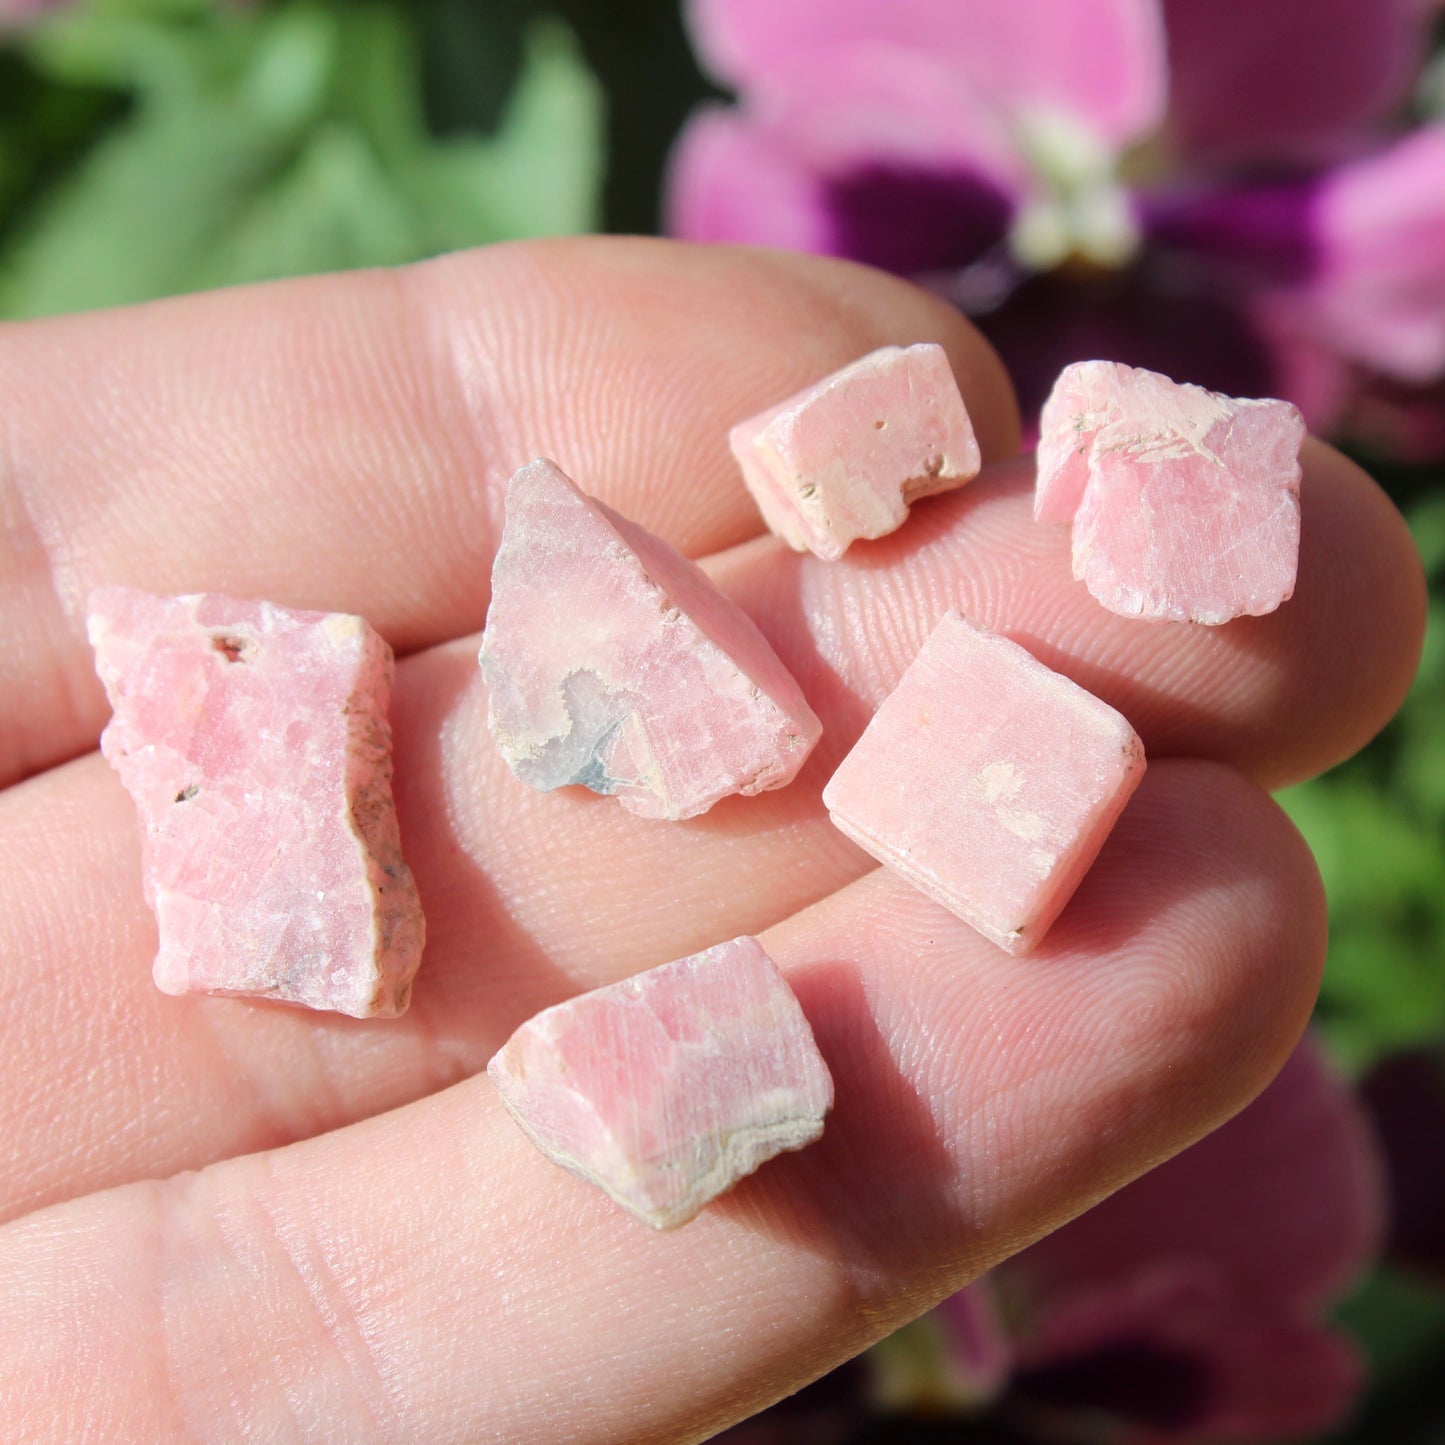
{"points": [[391, 1260]]}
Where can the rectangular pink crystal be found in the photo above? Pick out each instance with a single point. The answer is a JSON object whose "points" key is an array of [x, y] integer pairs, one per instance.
{"points": [[614, 662], [666, 1089], [988, 781], [255, 743], [843, 459]]}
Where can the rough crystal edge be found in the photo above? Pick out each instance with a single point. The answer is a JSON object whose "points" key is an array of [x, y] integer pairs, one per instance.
{"points": [[786, 509], [371, 813], [744, 1151], [798, 727]]}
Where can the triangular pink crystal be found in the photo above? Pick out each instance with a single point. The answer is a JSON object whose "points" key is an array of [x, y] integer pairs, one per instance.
{"points": [[614, 662]]}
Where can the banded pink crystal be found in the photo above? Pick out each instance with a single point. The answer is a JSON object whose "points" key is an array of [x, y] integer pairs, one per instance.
{"points": [[1184, 503], [988, 781], [844, 458], [255, 744], [666, 1089], [614, 662]]}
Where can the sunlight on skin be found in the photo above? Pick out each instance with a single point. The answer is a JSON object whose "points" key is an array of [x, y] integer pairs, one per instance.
{"points": [[339, 443]]}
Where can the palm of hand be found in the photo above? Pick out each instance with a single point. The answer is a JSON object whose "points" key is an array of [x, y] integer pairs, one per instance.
{"points": [[411, 1269]]}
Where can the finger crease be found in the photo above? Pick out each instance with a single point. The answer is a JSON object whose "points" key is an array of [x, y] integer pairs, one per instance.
{"points": [[338, 1305]]}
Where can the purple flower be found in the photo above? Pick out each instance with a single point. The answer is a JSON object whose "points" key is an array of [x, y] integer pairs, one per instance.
{"points": [[13, 12], [1218, 192], [1191, 1305], [1405, 1094]]}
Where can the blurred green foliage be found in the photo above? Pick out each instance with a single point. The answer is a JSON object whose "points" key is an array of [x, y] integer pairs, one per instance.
{"points": [[1399, 1322], [214, 144], [1377, 829]]}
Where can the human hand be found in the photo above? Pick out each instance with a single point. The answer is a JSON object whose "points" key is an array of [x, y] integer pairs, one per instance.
{"points": [[372, 1250]]}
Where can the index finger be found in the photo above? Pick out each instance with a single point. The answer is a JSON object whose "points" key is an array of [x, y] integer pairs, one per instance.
{"points": [[341, 442]]}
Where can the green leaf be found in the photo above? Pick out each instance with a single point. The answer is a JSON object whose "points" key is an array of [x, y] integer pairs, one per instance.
{"points": [[1427, 527], [1384, 877], [1399, 1320], [283, 140], [542, 172], [1377, 829], [332, 208], [153, 201]]}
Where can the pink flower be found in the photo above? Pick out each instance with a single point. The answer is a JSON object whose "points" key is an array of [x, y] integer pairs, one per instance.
{"points": [[1216, 193], [13, 12], [1190, 1306], [1405, 1094]]}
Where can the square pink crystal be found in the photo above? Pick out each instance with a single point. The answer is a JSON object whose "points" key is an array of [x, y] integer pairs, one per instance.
{"points": [[614, 662], [1184, 503], [255, 744], [845, 458], [988, 781], [666, 1089]]}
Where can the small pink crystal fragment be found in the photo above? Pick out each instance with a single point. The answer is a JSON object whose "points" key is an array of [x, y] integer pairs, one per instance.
{"points": [[988, 781], [1185, 503], [669, 1087], [612, 661], [255, 743], [845, 458], [1085, 398]]}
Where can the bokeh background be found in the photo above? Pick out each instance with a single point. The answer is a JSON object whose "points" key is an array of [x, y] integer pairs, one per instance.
{"points": [[1258, 205]]}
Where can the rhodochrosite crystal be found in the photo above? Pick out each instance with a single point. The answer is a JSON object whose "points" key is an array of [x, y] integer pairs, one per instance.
{"points": [[612, 661], [669, 1087], [1184, 503], [255, 743], [988, 781], [844, 458]]}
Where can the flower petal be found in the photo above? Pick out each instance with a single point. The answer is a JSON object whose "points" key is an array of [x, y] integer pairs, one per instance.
{"points": [[1173, 1354], [882, 158], [1378, 295], [979, 1345], [1283, 1203], [1100, 61], [1185, 325], [1406, 1095], [730, 180], [1287, 79], [1278, 1379]]}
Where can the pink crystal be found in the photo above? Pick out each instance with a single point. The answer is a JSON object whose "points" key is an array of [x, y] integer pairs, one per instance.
{"points": [[1085, 398], [612, 661], [988, 781], [255, 743], [1185, 503], [844, 458], [669, 1087]]}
